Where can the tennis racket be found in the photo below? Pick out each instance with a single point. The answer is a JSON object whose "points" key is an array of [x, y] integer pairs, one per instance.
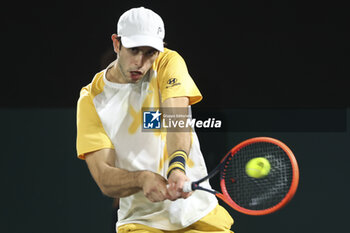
{"points": [[255, 196]]}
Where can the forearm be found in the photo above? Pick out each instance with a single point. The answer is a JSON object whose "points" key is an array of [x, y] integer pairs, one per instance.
{"points": [[112, 181], [178, 141], [116, 182], [179, 135]]}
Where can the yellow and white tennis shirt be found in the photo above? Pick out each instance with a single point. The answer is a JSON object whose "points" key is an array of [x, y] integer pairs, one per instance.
{"points": [[109, 115]]}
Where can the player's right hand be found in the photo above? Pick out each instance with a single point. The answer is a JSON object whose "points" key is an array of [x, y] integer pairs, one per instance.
{"points": [[176, 181], [154, 186]]}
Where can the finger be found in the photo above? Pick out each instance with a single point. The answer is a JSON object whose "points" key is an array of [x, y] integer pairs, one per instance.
{"points": [[158, 197], [186, 195], [150, 198], [179, 186], [173, 195], [172, 190], [177, 190], [170, 197], [155, 196], [165, 194]]}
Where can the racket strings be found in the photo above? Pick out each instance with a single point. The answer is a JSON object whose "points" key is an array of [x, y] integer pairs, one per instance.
{"points": [[262, 193]]}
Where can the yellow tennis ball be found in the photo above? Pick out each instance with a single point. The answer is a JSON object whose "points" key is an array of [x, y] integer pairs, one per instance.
{"points": [[258, 167]]}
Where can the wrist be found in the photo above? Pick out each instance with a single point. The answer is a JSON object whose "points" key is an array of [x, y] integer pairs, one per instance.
{"points": [[176, 171], [177, 161], [141, 177]]}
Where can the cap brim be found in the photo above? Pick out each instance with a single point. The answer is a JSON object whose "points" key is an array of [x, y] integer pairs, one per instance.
{"points": [[138, 41]]}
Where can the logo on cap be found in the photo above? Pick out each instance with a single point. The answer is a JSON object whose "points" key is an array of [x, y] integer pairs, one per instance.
{"points": [[159, 30]]}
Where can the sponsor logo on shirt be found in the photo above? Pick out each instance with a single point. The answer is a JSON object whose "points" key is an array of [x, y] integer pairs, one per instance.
{"points": [[172, 82]]}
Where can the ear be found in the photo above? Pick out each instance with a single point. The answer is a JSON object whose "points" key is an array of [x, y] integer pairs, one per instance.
{"points": [[116, 43]]}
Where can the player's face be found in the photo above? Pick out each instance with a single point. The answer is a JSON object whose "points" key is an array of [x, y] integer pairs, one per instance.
{"points": [[134, 63]]}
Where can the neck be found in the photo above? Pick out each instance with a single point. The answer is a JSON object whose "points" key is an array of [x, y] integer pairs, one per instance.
{"points": [[114, 73]]}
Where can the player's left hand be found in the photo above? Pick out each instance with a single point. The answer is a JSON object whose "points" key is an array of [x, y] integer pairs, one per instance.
{"points": [[176, 181]]}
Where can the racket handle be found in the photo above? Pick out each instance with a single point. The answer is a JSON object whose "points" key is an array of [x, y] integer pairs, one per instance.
{"points": [[187, 187]]}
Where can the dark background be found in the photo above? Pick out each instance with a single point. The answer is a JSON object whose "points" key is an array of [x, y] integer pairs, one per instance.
{"points": [[267, 68], [240, 53]]}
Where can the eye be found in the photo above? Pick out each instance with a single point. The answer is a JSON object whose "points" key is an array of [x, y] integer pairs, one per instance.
{"points": [[151, 52], [134, 50]]}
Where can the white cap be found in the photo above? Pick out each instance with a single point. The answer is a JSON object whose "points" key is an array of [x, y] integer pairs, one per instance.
{"points": [[141, 27]]}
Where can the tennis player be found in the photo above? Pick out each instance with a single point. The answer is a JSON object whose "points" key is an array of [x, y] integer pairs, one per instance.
{"points": [[146, 170]]}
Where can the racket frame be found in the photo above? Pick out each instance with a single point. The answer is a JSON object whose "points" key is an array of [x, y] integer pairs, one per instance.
{"points": [[224, 196]]}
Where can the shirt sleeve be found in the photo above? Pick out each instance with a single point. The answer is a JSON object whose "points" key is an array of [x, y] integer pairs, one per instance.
{"points": [[174, 79], [91, 135]]}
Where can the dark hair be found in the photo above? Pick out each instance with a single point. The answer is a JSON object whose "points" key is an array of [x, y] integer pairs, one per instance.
{"points": [[120, 41]]}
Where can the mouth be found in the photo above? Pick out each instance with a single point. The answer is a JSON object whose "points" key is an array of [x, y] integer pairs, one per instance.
{"points": [[136, 75]]}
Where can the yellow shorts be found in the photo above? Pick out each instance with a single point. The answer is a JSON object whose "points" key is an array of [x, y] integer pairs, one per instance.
{"points": [[218, 220]]}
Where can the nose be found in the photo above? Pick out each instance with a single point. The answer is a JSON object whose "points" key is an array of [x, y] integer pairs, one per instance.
{"points": [[139, 59]]}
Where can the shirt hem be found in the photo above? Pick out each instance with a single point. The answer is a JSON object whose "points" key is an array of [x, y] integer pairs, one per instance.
{"points": [[81, 155], [167, 228]]}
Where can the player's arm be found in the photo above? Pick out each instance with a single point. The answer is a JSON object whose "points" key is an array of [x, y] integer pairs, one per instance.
{"points": [[116, 182], [178, 141], [177, 138]]}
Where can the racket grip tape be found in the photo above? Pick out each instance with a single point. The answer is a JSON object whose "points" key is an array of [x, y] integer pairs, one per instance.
{"points": [[187, 187]]}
